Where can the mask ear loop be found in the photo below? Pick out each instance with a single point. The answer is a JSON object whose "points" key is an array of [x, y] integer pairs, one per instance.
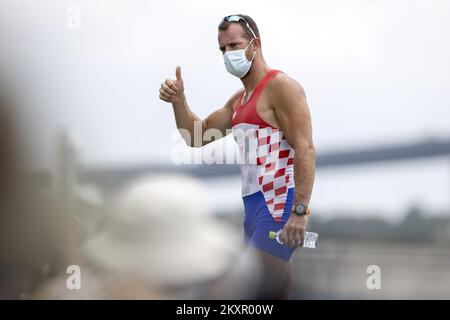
{"points": [[254, 53]]}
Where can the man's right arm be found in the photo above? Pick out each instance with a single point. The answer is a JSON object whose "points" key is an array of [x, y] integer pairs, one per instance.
{"points": [[173, 91]]}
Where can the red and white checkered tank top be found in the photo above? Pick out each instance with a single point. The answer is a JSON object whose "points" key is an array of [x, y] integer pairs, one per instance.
{"points": [[266, 158]]}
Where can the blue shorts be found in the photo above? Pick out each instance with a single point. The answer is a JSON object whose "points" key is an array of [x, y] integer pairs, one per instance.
{"points": [[258, 222]]}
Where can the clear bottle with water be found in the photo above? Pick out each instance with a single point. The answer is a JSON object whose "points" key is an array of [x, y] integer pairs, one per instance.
{"points": [[309, 241]]}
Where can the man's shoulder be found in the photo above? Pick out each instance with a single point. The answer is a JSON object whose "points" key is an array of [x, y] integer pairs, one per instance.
{"points": [[232, 101], [283, 90], [282, 83], [237, 94]]}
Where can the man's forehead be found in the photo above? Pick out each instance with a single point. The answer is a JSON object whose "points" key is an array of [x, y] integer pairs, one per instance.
{"points": [[233, 33]]}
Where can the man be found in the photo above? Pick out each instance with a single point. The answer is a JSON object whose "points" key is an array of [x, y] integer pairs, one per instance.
{"points": [[273, 113]]}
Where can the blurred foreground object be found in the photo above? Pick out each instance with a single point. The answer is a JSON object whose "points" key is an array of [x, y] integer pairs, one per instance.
{"points": [[158, 240], [160, 231], [32, 228]]}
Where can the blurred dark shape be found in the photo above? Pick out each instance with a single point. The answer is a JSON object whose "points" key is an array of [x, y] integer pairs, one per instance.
{"points": [[32, 227]]}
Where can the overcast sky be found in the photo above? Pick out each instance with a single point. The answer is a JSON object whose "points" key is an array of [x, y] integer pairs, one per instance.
{"points": [[375, 72]]}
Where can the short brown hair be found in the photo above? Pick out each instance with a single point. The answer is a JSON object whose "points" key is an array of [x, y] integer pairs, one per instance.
{"points": [[223, 26]]}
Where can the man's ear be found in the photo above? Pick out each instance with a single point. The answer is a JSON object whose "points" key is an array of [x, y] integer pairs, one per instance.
{"points": [[257, 43]]}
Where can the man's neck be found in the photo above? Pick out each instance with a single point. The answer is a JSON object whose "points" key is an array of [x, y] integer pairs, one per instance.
{"points": [[256, 74]]}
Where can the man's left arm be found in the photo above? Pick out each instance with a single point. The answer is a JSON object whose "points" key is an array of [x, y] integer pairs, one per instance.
{"points": [[292, 112]]}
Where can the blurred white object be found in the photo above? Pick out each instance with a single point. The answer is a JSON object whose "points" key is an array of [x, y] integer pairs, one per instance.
{"points": [[164, 193], [160, 231], [89, 194]]}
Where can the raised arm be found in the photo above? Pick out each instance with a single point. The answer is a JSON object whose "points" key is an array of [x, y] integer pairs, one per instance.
{"points": [[172, 91]]}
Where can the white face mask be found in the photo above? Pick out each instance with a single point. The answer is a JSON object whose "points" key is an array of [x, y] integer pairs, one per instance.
{"points": [[237, 63]]}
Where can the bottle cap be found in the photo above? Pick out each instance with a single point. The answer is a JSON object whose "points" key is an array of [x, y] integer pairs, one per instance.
{"points": [[272, 235]]}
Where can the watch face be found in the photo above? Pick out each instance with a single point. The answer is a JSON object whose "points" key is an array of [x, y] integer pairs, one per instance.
{"points": [[300, 209]]}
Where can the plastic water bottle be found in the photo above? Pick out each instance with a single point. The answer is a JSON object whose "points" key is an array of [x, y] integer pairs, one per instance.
{"points": [[309, 241]]}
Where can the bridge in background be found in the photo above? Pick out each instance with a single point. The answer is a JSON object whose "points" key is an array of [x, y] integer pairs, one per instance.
{"points": [[110, 178]]}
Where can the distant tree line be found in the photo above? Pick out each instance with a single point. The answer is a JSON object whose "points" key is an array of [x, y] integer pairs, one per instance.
{"points": [[416, 226]]}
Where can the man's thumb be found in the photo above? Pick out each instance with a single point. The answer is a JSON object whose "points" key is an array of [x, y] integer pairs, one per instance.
{"points": [[178, 73]]}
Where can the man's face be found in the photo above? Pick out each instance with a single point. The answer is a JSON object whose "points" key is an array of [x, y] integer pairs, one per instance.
{"points": [[233, 39]]}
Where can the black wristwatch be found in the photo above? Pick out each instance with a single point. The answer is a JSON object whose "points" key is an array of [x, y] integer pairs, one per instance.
{"points": [[300, 209]]}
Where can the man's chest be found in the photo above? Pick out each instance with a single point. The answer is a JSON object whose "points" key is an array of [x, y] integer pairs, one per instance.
{"points": [[263, 106]]}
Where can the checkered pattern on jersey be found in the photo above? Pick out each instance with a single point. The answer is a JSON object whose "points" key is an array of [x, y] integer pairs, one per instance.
{"points": [[274, 156]]}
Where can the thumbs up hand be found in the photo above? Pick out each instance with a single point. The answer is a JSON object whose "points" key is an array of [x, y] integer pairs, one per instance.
{"points": [[172, 90]]}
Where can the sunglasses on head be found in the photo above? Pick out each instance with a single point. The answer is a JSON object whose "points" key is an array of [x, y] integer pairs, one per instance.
{"points": [[235, 18]]}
